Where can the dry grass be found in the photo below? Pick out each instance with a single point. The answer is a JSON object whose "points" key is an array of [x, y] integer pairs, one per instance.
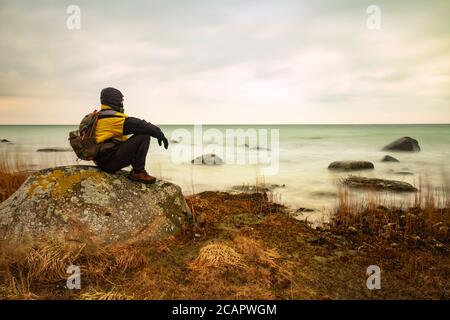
{"points": [[244, 251], [25, 268], [240, 269], [102, 295], [12, 174], [423, 222], [409, 241], [217, 255]]}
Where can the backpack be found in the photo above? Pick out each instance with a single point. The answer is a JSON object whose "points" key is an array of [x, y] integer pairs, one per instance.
{"points": [[83, 140]]}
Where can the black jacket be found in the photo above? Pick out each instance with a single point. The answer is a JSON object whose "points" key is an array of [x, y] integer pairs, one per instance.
{"points": [[138, 126], [131, 125]]}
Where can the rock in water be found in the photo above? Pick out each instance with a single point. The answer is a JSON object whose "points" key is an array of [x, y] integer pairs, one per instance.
{"points": [[378, 184], [54, 150], [83, 203], [388, 158], [350, 165], [404, 173], [260, 148], [177, 140], [257, 188], [404, 144], [208, 159]]}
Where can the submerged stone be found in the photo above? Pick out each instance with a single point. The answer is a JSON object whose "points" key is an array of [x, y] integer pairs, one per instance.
{"points": [[403, 144], [388, 158], [54, 150], [378, 184], [208, 159], [350, 165]]}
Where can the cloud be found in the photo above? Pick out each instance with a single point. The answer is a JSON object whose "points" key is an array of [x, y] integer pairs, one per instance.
{"points": [[227, 61]]}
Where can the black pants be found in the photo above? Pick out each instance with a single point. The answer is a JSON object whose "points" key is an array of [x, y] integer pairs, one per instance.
{"points": [[133, 151]]}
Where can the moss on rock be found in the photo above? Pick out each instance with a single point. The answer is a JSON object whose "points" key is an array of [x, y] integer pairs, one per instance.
{"points": [[75, 202]]}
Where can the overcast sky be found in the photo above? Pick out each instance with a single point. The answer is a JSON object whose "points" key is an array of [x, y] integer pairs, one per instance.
{"points": [[227, 61]]}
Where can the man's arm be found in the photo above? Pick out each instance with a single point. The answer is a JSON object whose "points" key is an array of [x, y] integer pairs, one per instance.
{"points": [[137, 126]]}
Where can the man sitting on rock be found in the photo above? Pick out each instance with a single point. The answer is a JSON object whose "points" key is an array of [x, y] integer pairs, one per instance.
{"points": [[117, 150]]}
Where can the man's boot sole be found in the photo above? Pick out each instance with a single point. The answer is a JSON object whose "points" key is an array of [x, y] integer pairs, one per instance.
{"points": [[142, 181]]}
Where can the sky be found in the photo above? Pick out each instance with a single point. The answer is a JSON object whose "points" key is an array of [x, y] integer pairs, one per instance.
{"points": [[227, 62]]}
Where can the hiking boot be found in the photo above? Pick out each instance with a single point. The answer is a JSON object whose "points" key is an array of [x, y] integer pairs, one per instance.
{"points": [[141, 176]]}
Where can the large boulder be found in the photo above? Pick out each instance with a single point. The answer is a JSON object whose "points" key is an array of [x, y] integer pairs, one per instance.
{"points": [[350, 165], [403, 144], [378, 184], [82, 203]]}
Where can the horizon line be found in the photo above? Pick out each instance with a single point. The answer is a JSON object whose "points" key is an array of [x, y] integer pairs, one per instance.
{"points": [[245, 124]]}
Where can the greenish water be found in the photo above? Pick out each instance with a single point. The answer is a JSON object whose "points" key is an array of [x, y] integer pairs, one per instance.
{"points": [[304, 153]]}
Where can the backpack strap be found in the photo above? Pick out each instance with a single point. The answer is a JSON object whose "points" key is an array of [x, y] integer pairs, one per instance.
{"points": [[91, 132], [103, 114]]}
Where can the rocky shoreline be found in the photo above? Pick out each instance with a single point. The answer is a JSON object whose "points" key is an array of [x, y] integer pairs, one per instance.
{"points": [[240, 246], [153, 242]]}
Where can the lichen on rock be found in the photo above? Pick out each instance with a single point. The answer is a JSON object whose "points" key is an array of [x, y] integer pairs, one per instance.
{"points": [[82, 202]]}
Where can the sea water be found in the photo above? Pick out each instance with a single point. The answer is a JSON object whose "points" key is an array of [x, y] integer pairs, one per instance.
{"points": [[303, 155]]}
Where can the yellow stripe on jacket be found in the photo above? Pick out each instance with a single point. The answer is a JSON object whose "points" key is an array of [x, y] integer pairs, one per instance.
{"points": [[110, 126]]}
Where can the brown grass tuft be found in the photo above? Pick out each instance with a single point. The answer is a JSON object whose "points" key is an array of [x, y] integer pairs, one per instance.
{"points": [[12, 174], [45, 264], [217, 255], [424, 222], [102, 295]]}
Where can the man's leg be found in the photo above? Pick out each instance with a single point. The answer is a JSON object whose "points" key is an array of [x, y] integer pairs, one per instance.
{"points": [[132, 152], [138, 162]]}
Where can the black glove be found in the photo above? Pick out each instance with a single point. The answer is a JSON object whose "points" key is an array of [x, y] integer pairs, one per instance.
{"points": [[165, 141]]}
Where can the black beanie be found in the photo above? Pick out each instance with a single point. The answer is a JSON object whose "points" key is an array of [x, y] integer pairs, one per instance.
{"points": [[113, 98]]}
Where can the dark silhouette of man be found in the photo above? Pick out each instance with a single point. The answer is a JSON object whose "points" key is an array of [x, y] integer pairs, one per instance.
{"points": [[117, 149]]}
